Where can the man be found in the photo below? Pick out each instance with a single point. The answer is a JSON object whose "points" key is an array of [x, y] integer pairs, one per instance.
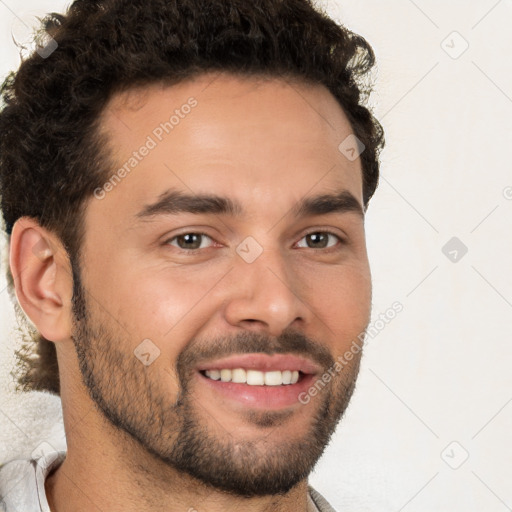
{"points": [[184, 186]]}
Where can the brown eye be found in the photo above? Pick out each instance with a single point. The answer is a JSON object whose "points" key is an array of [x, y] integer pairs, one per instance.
{"points": [[317, 240], [189, 241], [321, 240]]}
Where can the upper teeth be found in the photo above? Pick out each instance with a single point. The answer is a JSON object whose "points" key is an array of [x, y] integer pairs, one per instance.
{"points": [[254, 377]]}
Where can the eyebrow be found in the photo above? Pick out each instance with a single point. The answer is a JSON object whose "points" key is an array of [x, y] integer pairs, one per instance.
{"points": [[174, 202]]}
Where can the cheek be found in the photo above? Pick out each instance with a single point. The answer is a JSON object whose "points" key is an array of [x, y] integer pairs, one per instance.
{"points": [[341, 298], [157, 306], [165, 305]]}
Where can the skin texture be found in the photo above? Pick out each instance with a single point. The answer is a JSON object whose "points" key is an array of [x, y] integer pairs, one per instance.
{"points": [[266, 145]]}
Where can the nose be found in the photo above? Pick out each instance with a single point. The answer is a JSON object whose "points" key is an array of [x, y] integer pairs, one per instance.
{"points": [[265, 295]]}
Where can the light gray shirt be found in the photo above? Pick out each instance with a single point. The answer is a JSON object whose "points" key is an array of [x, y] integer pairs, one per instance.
{"points": [[22, 485]]}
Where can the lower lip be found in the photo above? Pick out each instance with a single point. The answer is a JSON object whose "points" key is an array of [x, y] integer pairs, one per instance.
{"points": [[260, 397]]}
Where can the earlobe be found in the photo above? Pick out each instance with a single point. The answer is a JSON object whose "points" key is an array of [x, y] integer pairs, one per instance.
{"points": [[42, 278]]}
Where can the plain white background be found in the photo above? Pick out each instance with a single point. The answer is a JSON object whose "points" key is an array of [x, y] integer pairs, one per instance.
{"points": [[429, 424]]}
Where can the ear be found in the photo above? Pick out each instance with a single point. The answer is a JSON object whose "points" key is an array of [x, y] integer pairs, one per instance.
{"points": [[43, 281]]}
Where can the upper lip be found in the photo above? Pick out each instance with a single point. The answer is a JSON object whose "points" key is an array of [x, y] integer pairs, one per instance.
{"points": [[263, 363]]}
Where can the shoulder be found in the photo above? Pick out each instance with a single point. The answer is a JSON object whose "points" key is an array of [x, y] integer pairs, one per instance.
{"points": [[320, 502], [22, 482], [17, 485]]}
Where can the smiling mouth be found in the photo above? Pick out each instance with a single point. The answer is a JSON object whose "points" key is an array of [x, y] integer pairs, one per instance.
{"points": [[258, 381], [254, 377]]}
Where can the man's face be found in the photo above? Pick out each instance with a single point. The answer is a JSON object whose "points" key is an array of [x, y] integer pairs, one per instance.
{"points": [[175, 291]]}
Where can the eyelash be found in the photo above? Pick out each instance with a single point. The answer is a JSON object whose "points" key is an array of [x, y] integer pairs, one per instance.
{"points": [[341, 241]]}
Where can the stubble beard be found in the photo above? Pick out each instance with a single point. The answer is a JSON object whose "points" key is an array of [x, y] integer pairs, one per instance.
{"points": [[180, 434]]}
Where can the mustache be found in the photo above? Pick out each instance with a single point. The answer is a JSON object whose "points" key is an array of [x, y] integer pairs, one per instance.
{"points": [[245, 342]]}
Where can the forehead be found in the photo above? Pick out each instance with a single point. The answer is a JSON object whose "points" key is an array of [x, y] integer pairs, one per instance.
{"points": [[240, 136]]}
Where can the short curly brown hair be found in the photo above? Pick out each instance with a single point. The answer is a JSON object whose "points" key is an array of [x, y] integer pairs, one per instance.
{"points": [[51, 155]]}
